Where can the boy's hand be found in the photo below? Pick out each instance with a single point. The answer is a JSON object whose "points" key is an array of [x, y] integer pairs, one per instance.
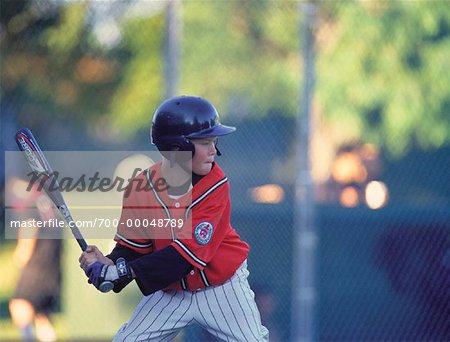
{"points": [[99, 273], [91, 255]]}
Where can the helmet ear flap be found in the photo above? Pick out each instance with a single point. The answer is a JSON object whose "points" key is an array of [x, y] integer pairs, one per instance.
{"points": [[171, 145], [174, 146], [183, 144], [188, 146]]}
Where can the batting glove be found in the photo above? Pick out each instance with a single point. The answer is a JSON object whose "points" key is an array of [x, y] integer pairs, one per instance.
{"points": [[103, 277]]}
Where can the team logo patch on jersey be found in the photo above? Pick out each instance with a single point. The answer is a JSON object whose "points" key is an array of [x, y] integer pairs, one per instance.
{"points": [[203, 233]]}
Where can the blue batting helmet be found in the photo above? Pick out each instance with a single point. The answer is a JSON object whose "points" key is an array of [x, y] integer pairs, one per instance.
{"points": [[179, 119]]}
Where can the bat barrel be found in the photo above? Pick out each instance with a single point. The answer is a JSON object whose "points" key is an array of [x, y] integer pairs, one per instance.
{"points": [[39, 165]]}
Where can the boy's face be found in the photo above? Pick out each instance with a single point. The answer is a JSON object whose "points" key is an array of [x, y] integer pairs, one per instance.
{"points": [[205, 151]]}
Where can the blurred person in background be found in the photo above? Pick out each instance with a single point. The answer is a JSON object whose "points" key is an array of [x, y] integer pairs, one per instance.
{"points": [[38, 288]]}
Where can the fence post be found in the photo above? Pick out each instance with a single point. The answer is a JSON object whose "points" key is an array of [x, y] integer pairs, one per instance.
{"points": [[305, 236], [172, 48]]}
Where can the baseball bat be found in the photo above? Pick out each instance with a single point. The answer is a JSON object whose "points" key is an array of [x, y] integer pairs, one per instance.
{"points": [[41, 168]]}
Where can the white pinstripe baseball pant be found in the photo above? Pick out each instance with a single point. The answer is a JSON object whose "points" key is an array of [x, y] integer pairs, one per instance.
{"points": [[227, 311]]}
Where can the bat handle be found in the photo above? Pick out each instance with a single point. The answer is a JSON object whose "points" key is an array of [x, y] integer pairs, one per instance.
{"points": [[105, 286], [82, 243], [73, 226]]}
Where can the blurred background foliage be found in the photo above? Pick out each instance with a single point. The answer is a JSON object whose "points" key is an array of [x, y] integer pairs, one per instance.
{"points": [[385, 78], [89, 74], [375, 83]]}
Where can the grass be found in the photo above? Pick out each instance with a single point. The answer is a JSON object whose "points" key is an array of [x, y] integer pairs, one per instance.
{"points": [[86, 314]]}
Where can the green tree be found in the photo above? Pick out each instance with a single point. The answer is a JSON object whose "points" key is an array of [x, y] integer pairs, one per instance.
{"points": [[53, 68], [381, 66], [41, 52], [381, 70], [243, 55]]}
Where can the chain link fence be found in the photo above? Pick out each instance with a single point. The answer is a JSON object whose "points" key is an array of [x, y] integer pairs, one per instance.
{"points": [[88, 75]]}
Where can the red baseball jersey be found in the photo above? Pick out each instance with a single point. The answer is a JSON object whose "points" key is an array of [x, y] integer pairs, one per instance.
{"points": [[196, 224]]}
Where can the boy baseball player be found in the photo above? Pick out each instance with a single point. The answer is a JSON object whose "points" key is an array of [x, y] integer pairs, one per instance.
{"points": [[194, 275]]}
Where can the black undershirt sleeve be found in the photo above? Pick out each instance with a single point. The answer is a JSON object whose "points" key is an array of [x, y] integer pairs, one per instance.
{"points": [[153, 271], [124, 252], [159, 269]]}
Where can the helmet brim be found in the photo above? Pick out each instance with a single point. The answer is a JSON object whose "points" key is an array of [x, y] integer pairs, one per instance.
{"points": [[216, 131]]}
